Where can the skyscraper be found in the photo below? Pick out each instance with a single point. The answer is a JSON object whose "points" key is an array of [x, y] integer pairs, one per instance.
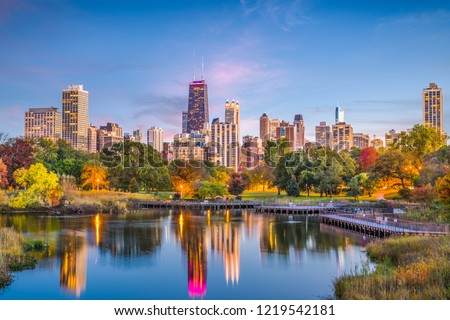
{"points": [[233, 115], [273, 125], [224, 149], [342, 136], [361, 140], [299, 125], [92, 139], [339, 115], [432, 107], [198, 113], [75, 120], [264, 128], [43, 123], [137, 134], [155, 138], [184, 119]]}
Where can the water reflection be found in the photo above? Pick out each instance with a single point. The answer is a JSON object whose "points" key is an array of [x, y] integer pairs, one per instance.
{"points": [[216, 239]]}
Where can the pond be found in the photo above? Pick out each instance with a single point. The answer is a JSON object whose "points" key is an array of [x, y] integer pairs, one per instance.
{"points": [[168, 254]]}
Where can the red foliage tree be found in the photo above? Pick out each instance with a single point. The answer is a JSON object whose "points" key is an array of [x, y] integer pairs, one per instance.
{"points": [[15, 154], [368, 158]]}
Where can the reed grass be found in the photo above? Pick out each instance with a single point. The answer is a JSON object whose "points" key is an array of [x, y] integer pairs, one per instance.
{"points": [[408, 268]]}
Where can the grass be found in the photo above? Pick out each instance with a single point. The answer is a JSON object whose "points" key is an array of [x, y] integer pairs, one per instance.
{"points": [[13, 254], [408, 268], [314, 197]]}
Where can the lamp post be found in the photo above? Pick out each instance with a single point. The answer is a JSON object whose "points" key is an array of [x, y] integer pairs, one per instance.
{"points": [[98, 184], [181, 191]]}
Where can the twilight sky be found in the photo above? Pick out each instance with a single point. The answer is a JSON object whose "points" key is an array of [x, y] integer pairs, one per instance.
{"points": [[135, 58]]}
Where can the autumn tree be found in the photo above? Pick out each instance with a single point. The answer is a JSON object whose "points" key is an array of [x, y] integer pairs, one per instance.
{"points": [[236, 184], [367, 158], [442, 188], [94, 176], [41, 187], [16, 153], [3, 175]]}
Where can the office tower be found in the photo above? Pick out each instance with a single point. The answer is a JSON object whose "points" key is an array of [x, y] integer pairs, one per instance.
{"points": [[342, 136], [198, 113], [433, 111], [233, 115], [390, 137], [137, 134], [288, 132], [43, 123], [377, 142], [155, 138], [92, 139], [339, 115], [264, 132], [299, 131], [273, 125], [323, 134], [75, 120], [224, 149], [184, 119], [361, 140]]}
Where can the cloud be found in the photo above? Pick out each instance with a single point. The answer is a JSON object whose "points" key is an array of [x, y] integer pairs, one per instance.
{"points": [[287, 14]]}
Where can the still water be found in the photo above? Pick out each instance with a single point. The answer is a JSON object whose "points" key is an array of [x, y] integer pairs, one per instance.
{"points": [[183, 255]]}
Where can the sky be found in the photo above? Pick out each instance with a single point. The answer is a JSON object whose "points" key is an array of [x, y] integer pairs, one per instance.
{"points": [[136, 59]]}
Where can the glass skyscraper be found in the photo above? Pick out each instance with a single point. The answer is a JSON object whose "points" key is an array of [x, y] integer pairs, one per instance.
{"points": [[198, 113]]}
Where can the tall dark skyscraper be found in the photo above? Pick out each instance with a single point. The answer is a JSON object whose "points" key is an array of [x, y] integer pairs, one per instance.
{"points": [[198, 113]]}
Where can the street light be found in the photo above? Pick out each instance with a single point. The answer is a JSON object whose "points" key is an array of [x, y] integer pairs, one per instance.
{"points": [[181, 191], [98, 183]]}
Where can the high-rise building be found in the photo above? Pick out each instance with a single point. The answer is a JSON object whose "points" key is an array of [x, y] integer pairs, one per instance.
{"points": [[264, 129], [273, 125], [299, 125], [198, 113], [43, 123], [342, 136], [377, 142], [323, 134], [233, 115], [155, 138], [390, 137], [339, 115], [252, 152], [361, 140], [288, 132], [75, 120], [137, 134], [190, 146], [93, 133], [109, 135], [432, 107], [224, 149], [184, 120]]}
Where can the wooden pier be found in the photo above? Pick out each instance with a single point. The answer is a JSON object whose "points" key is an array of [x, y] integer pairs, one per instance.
{"points": [[289, 210], [376, 229], [197, 205]]}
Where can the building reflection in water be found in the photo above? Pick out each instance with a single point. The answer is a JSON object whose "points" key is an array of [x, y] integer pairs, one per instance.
{"points": [[73, 256], [191, 234]]}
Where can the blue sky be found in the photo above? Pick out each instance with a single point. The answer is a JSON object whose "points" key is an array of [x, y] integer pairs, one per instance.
{"points": [[279, 57]]}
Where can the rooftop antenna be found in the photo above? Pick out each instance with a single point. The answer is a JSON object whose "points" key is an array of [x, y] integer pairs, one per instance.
{"points": [[193, 64], [203, 70]]}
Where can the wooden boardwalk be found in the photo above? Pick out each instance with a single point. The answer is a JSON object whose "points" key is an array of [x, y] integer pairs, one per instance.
{"points": [[291, 210], [197, 205], [375, 229]]}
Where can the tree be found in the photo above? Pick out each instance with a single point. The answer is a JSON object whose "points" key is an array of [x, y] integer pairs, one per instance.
{"points": [[41, 187], [442, 188], [3, 175], [183, 174], [393, 164], [355, 189], [423, 194], [211, 190], [94, 176], [368, 158], [236, 184], [292, 189], [134, 185], [16, 153]]}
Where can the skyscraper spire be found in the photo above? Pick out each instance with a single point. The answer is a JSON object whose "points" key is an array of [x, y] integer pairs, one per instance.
{"points": [[203, 70], [193, 64]]}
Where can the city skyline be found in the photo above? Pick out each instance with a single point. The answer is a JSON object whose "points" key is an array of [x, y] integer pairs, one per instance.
{"points": [[279, 57]]}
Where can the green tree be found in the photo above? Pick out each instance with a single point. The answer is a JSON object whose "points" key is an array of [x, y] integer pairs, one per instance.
{"points": [[41, 187], [292, 189], [393, 164], [211, 190], [134, 185], [355, 186]]}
